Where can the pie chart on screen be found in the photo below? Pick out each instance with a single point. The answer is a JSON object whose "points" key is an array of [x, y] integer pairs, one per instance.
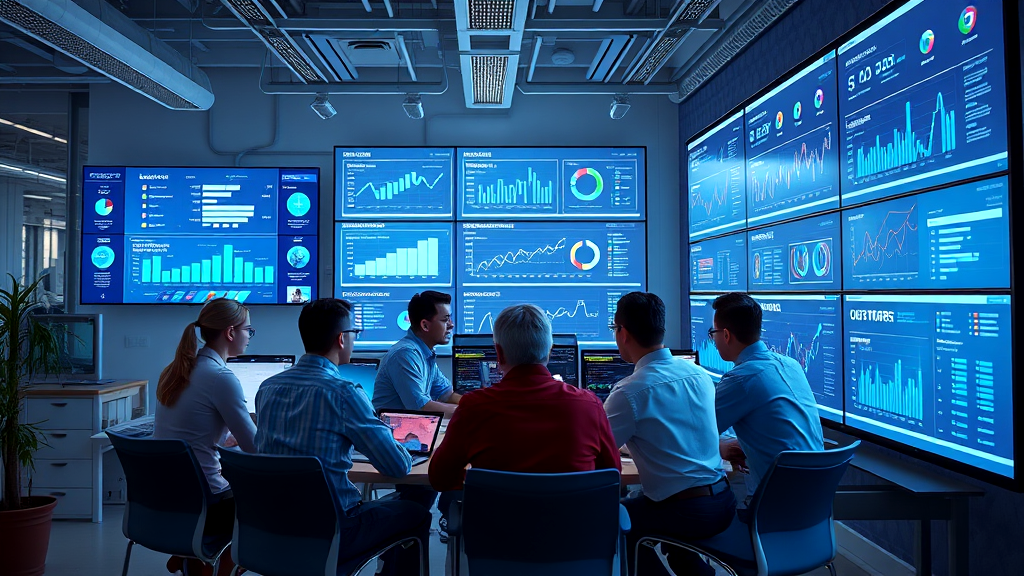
{"points": [[104, 207], [102, 257], [403, 320]]}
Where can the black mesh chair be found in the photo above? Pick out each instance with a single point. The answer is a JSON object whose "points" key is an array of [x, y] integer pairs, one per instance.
{"points": [[280, 536], [168, 498]]}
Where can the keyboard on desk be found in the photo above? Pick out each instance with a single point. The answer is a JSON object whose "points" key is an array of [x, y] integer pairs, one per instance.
{"points": [[138, 428]]}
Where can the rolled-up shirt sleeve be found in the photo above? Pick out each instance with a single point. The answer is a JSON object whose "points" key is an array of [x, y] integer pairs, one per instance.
{"points": [[373, 438]]}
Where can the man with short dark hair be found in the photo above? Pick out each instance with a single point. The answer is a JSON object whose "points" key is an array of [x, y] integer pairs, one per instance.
{"points": [[527, 422], [664, 413], [310, 410], [765, 398], [409, 379]]}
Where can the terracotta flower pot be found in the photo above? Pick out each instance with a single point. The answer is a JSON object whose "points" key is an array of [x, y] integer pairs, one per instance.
{"points": [[25, 536]]}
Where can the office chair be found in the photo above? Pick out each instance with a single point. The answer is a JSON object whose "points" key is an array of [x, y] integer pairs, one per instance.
{"points": [[278, 535], [790, 528], [539, 524], [167, 502]]}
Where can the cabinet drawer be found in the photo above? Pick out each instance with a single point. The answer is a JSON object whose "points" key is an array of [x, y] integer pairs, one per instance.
{"points": [[62, 474], [60, 413], [71, 502], [66, 444]]}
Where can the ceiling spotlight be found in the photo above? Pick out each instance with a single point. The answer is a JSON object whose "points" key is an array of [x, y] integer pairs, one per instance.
{"points": [[322, 107], [413, 106], [620, 105]]}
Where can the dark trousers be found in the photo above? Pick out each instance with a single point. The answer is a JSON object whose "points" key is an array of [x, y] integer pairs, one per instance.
{"points": [[374, 523], [425, 496], [690, 519]]}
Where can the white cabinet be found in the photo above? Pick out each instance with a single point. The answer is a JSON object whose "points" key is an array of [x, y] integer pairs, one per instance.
{"points": [[69, 467]]}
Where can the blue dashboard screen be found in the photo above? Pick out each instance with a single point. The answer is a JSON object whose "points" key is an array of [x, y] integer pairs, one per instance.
{"points": [[560, 183], [933, 372], [416, 254], [563, 256], [792, 151], [715, 177], [188, 235], [798, 255], [923, 98], [809, 329], [953, 238], [401, 183], [702, 319], [719, 264]]}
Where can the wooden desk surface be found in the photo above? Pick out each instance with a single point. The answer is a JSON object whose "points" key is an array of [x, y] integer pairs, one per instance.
{"points": [[366, 473], [55, 389]]}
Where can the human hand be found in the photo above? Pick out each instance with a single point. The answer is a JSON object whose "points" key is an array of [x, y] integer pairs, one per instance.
{"points": [[732, 453], [230, 442]]}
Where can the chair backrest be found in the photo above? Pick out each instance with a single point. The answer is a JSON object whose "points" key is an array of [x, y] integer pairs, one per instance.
{"points": [[285, 518], [516, 523], [167, 494], [791, 511]]}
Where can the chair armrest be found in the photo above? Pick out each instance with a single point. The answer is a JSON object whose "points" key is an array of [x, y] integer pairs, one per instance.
{"points": [[455, 518], [624, 523]]}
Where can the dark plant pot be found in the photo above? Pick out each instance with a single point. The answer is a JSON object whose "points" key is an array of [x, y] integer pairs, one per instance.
{"points": [[25, 536]]}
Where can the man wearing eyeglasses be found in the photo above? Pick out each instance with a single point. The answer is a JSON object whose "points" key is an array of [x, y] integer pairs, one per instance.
{"points": [[310, 410], [409, 378], [664, 413], [765, 398]]}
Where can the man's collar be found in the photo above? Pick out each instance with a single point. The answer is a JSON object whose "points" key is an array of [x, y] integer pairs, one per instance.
{"points": [[755, 348]]}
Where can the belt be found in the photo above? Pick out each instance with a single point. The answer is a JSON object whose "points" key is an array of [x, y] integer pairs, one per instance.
{"points": [[698, 491]]}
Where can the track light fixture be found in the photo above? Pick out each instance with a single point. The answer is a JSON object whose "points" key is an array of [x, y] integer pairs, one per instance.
{"points": [[413, 106], [620, 105], [322, 107]]}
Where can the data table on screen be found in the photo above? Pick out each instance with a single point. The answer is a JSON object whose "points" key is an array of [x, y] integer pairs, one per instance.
{"points": [[923, 99], [716, 181], [400, 183], [394, 254], [792, 155], [952, 238], [702, 319], [541, 183], [586, 311], [933, 372], [808, 329], [569, 254], [719, 264], [798, 255]]}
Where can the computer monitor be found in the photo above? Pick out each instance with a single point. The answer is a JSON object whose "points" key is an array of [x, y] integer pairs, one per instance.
{"points": [[80, 337], [602, 369], [361, 371], [252, 370], [690, 355], [475, 362]]}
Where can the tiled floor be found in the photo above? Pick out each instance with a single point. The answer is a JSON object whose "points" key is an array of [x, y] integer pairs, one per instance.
{"points": [[86, 549]]}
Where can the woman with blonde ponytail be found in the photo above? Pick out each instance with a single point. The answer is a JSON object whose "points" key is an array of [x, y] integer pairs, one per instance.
{"points": [[199, 400]]}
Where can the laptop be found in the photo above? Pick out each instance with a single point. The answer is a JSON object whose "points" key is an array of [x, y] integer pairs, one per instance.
{"points": [[361, 371], [414, 429], [252, 370]]}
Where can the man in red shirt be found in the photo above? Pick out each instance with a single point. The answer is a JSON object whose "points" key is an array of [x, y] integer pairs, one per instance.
{"points": [[527, 422]]}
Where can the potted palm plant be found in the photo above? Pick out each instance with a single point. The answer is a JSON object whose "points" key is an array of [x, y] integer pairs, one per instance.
{"points": [[27, 348]]}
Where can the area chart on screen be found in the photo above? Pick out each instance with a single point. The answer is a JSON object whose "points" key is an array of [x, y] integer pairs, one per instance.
{"points": [[715, 177], [399, 183]]}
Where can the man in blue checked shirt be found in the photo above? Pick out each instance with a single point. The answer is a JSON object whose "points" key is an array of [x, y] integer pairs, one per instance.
{"points": [[310, 410]]}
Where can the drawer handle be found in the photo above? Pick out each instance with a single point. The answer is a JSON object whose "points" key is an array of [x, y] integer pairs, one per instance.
{"points": [[58, 434], [59, 404], [58, 464], [58, 494]]}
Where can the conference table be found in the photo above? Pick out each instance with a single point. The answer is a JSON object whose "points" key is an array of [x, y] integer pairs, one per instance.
{"points": [[365, 473]]}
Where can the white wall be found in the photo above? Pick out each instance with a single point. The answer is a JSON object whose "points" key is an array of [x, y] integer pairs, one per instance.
{"points": [[127, 129]]}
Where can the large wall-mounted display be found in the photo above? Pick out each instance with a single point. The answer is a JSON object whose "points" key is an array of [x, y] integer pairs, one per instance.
{"points": [[401, 183], [877, 230], [188, 235]]}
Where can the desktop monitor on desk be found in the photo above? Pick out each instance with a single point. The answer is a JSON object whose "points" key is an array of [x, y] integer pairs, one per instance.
{"points": [[602, 369], [475, 362], [80, 338], [361, 371], [252, 370]]}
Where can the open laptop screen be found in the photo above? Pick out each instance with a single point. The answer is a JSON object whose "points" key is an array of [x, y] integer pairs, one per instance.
{"points": [[252, 370], [416, 431], [602, 369]]}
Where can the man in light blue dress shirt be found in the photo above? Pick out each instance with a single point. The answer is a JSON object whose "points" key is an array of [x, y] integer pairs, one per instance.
{"points": [[409, 379], [664, 413], [765, 398], [311, 410]]}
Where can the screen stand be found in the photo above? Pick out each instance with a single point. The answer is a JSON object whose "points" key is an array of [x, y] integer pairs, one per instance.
{"points": [[908, 492]]}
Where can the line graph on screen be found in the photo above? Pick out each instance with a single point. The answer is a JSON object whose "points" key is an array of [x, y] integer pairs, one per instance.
{"points": [[797, 169], [886, 245]]}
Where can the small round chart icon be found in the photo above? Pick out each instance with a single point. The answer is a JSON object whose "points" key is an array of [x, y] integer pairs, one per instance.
{"points": [[298, 256], [585, 265], [592, 178], [104, 207], [403, 320], [298, 204], [102, 257]]}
